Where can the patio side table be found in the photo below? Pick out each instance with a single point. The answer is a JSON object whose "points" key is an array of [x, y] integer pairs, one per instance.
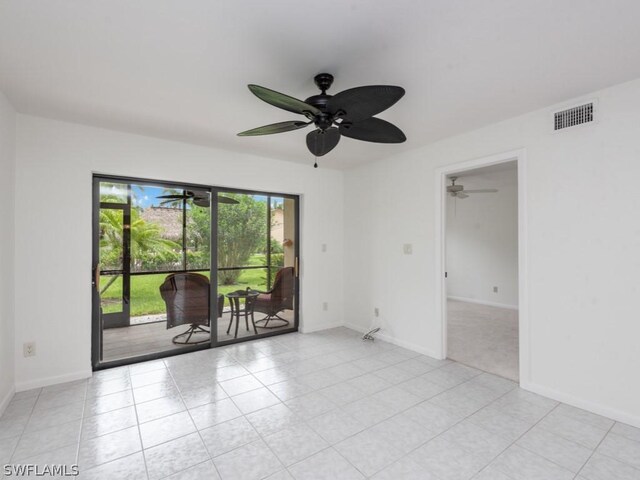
{"points": [[237, 309]]}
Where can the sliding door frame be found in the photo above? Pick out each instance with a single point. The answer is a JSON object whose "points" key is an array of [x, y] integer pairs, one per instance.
{"points": [[296, 242], [96, 320]]}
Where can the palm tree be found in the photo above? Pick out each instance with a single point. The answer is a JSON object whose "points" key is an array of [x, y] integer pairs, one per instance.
{"points": [[147, 244]]}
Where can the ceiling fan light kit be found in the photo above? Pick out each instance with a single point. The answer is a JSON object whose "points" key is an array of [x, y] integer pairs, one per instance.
{"points": [[349, 113]]}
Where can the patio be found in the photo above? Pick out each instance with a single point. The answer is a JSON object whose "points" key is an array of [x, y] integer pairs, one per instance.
{"points": [[147, 338]]}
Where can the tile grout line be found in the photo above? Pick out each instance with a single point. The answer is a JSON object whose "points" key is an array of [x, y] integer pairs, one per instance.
{"points": [[518, 438], [135, 409], [593, 452], [459, 421], [82, 418], [302, 420], [395, 415], [194, 424], [11, 458]]}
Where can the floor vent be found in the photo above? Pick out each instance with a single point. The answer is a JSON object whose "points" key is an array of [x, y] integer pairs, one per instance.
{"points": [[573, 116]]}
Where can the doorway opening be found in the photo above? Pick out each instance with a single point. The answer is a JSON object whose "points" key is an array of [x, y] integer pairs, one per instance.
{"points": [[156, 247], [481, 258]]}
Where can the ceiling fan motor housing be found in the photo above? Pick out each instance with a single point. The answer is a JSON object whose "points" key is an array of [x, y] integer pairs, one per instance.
{"points": [[323, 81], [324, 120]]}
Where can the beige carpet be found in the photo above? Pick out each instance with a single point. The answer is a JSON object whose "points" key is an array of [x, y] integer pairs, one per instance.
{"points": [[483, 337]]}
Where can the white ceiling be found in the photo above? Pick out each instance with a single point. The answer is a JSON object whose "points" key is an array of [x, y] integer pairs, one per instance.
{"points": [[178, 69]]}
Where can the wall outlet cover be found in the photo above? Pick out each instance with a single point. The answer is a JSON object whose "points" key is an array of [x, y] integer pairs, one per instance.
{"points": [[29, 349]]}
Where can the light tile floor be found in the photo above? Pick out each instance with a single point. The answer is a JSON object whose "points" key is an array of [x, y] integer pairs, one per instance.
{"points": [[319, 406]]}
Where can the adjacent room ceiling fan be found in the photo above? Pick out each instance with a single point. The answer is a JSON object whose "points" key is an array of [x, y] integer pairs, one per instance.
{"points": [[199, 197], [458, 191], [349, 113]]}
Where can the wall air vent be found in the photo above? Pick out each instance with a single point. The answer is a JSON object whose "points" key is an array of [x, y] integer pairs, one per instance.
{"points": [[573, 116]]}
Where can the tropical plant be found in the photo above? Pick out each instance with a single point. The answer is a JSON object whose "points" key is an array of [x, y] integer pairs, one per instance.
{"points": [[198, 236], [242, 228], [148, 248]]}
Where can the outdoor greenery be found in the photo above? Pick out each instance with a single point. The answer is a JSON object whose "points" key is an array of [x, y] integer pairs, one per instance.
{"points": [[145, 293], [242, 231], [148, 249]]}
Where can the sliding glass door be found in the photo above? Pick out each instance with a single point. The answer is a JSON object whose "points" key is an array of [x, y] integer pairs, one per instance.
{"points": [[152, 245], [155, 247], [257, 253]]}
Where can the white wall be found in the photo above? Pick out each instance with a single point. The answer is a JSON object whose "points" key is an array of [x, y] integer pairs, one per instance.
{"points": [[7, 190], [54, 164], [583, 248], [482, 240]]}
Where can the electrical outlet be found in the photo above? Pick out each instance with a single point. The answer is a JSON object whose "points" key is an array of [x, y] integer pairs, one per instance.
{"points": [[29, 349], [495, 289], [376, 311], [407, 248], [325, 306]]}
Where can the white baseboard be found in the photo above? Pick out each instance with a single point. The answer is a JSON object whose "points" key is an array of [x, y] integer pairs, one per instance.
{"points": [[593, 407], [483, 302], [47, 381], [323, 326], [7, 398], [400, 343]]}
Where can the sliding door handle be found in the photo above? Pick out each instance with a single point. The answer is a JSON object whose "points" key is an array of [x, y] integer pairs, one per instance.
{"points": [[96, 278]]}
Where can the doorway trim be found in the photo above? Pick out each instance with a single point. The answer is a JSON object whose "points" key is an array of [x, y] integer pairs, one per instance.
{"points": [[440, 231]]}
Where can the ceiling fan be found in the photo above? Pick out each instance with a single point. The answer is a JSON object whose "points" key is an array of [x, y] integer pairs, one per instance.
{"points": [[349, 113], [199, 197], [458, 191]]}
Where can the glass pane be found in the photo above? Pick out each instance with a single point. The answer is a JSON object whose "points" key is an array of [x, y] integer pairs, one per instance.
{"points": [[156, 229], [113, 192], [242, 233], [111, 293], [146, 303], [199, 232], [111, 238], [257, 231], [254, 279]]}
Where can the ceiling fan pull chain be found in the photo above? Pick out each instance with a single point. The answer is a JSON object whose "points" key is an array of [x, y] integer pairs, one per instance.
{"points": [[315, 165]]}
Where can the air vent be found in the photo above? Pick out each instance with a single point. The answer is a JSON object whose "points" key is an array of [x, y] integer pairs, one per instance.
{"points": [[573, 116]]}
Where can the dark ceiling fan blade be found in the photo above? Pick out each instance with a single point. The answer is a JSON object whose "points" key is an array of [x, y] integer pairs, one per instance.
{"points": [[322, 142], [373, 130], [201, 202], [283, 101], [171, 203], [227, 200], [274, 128], [173, 196], [361, 103]]}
